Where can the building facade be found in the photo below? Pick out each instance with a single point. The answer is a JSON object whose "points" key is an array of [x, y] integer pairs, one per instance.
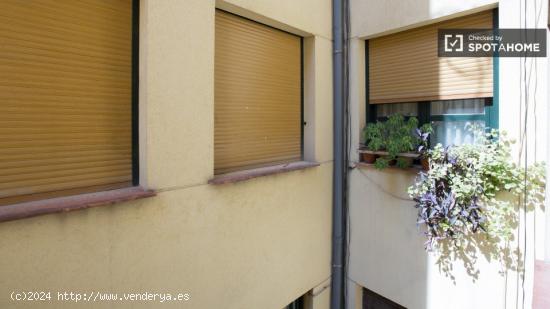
{"points": [[195, 139], [387, 249], [261, 243]]}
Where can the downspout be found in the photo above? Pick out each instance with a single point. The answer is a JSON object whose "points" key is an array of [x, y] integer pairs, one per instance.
{"points": [[338, 180]]}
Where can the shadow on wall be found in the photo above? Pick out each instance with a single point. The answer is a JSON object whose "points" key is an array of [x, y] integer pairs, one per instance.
{"points": [[497, 250], [387, 253], [472, 248]]}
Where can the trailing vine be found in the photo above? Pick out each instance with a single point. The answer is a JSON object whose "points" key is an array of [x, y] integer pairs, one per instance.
{"points": [[469, 189]]}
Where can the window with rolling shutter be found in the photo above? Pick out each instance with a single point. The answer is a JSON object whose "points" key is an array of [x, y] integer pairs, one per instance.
{"points": [[65, 97], [406, 76], [258, 95], [405, 67]]}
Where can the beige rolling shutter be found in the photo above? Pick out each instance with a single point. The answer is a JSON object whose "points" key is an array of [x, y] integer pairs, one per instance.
{"points": [[257, 95], [65, 97], [404, 67]]}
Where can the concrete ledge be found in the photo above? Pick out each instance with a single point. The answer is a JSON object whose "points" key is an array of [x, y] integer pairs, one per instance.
{"points": [[259, 172], [69, 203], [414, 169]]}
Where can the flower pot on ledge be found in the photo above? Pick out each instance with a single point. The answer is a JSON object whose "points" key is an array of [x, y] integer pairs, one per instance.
{"points": [[408, 161], [425, 164], [368, 157]]}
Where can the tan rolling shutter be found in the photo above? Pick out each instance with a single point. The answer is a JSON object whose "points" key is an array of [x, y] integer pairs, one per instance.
{"points": [[65, 97], [257, 95], [404, 67]]}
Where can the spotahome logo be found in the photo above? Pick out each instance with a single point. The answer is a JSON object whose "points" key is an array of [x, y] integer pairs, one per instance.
{"points": [[454, 43], [492, 42]]}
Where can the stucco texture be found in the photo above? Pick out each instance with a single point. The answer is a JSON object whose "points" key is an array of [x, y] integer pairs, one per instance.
{"points": [[387, 250], [371, 18], [257, 244]]}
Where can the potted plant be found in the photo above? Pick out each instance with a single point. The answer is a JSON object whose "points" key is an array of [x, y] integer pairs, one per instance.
{"points": [[400, 139], [374, 141], [396, 141]]}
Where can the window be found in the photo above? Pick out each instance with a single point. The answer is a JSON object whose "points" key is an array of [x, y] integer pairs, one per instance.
{"points": [[258, 95], [451, 119], [67, 93], [405, 75]]}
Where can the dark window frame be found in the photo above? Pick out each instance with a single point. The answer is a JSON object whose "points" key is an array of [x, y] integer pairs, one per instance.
{"points": [[135, 92], [424, 115], [297, 304]]}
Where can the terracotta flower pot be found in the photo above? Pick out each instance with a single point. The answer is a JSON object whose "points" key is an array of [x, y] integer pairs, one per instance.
{"points": [[391, 162], [369, 158], [425, 164]]}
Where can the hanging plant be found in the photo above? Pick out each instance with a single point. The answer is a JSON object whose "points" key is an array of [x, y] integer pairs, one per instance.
{"points": [[463, 192]]}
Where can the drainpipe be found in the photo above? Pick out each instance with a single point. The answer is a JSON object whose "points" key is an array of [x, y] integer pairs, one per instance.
{"points": [[338, 180]]}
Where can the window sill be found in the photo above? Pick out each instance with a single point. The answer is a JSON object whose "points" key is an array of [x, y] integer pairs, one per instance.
{"points": [[413, 155], [415, 169], [69, 203], [259, 172]]}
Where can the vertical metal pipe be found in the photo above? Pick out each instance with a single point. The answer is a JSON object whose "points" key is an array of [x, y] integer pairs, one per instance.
{"points": [[338, 228]]}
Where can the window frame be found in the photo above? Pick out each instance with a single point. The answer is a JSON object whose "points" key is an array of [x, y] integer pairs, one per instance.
{"points": [[296, 304], [424, 114], [135, 92]]}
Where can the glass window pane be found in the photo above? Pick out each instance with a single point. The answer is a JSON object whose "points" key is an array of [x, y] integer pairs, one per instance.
{"points": [[405, 109], [454, 132], [458, 107]]}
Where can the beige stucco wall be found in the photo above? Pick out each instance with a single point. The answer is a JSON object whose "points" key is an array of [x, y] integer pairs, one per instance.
{"points": [[256, 244], [387, 254], [371, 18]]}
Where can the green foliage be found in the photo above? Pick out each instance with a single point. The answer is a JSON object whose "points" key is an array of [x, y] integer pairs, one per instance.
{"points": [[471, 189], [403, 162], [374, 136], [427, 128], [382, 163], [396, 135], [399, 134]]}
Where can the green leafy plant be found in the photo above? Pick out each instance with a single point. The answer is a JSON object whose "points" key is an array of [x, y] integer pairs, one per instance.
{"points": [[471, 189], [403, 162], [382, 163], [399, 134], [374, 136], [396, 135]]}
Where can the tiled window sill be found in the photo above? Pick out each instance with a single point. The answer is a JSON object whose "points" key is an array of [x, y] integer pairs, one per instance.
{"points": [[262, 171], [69, 203]]}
